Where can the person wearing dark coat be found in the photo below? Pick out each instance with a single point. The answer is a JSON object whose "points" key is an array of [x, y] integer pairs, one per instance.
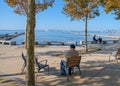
{"points": [[94, 39], [99, 40]]}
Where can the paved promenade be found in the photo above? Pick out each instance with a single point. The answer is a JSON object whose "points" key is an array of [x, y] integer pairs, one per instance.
{"points": [[95, 66]]}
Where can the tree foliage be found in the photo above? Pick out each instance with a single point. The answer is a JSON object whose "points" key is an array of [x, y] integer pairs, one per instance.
{"points": [[81, 9], [21, 6], [112, 6], [78, 9]]}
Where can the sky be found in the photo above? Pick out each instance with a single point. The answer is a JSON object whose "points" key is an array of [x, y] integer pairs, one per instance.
{"points": [[54, 19]]}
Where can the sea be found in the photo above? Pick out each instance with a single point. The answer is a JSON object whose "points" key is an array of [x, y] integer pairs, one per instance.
{"points": [[57, 35]]}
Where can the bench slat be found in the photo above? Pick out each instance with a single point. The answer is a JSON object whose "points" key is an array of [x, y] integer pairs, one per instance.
{"points": [[73, 61]]}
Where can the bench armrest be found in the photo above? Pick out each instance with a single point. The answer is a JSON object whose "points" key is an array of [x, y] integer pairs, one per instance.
{"points": [[43, 61]]}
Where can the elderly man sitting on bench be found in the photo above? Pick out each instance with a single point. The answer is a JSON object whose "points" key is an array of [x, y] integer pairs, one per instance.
{"points": [[69, 54]]}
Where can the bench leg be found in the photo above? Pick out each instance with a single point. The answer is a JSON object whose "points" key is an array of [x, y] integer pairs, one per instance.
{"points": [[109, 58], [67, 74], [116, 59], [79, 70], [23, 67], [48, 69]]}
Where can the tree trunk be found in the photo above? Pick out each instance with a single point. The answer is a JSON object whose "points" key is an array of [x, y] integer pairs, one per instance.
{"points": [[25, 42], [30, 43], [86, 45]]}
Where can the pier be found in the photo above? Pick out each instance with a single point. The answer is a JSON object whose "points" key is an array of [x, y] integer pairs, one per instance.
{"points": [[4, 39], [10, 36]]}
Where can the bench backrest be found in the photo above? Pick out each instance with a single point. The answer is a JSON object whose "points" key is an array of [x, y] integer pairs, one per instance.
{"points": [[24, 58], [118, 52], [36, 61], [73, 61]]}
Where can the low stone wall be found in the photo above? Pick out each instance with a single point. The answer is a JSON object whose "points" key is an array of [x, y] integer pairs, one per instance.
{"points": [[7, 42], [54, 42]]}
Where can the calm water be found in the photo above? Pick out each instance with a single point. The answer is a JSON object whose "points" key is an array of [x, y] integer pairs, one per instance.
{"points": [[53, 35]]}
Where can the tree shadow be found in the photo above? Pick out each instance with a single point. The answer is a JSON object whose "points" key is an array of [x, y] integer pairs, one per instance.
{"points": [[49, 53], [9, 57], [94, 73], [13, 78], [14, 74]]}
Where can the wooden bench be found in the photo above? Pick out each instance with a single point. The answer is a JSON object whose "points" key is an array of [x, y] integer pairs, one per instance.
{"points": [[72, 62], [38, 64], [41, 65]]}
